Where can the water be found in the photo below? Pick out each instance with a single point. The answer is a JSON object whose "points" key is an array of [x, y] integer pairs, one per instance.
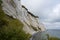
{"points": [[43, 36], [54, 32]]}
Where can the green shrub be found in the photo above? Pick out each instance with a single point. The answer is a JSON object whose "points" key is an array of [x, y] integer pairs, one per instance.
{"points": [[52, 38], [0, 2]]}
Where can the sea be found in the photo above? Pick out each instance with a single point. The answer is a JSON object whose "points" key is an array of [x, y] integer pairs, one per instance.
{"points": [[43, 35], [54, 32]]}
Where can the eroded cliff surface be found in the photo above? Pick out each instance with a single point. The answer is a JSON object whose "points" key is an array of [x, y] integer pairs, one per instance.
{"points": [[14, 9]]}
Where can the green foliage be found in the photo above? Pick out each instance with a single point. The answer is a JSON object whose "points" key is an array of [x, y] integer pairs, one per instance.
{"points": [[48, 36], [0, 2], [52, 38], [2, 23], [10, 28]]}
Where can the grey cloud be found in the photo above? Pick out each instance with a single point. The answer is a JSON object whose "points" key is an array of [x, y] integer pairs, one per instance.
{"points": [[43, 10]]}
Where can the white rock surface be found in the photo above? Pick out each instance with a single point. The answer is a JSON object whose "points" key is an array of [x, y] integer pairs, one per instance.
{"points": [[14, 8]]}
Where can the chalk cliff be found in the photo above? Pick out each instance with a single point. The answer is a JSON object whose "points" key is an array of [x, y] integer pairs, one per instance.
{"points": [[16, 10]]}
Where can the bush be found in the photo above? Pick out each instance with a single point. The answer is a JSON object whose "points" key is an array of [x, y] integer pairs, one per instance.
{"points": [[52, 38], [0, 2]]}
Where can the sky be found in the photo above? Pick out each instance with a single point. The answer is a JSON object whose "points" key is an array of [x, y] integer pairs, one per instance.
{"points": [[47, 10]]}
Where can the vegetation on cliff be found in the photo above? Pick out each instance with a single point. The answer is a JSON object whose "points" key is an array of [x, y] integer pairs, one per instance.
{"points": [[52, 38], [10, 28]]}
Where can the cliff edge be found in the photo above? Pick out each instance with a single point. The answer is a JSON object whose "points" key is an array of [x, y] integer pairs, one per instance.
{"points": [[15, 16]]}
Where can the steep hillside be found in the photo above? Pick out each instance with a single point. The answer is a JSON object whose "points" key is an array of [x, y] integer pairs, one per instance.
{"points": [[11, 28], [16, 22]]}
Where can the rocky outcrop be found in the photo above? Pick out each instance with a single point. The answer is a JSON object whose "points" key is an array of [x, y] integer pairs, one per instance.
{"points": [[16, 10]]}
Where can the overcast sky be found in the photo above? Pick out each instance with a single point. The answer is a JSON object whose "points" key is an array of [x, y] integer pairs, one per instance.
{"points": [[47, 10]]}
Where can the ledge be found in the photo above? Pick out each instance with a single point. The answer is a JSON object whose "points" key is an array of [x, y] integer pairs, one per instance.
{"points": [[24, 7], [32, 14]]}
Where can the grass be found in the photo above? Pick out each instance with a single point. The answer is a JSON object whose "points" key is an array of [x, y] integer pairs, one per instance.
{"points": [[52, 38], [10, 28], [0, 2]]}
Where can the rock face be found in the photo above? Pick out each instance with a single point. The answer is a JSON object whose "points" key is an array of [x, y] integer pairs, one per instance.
{"points": [[16, 10], [39, 36]]}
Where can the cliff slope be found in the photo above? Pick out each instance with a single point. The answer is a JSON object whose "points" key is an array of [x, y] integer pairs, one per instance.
{"points": [[16, 10], [16, 20]]}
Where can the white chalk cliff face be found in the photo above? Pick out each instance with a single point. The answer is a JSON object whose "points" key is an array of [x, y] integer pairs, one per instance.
{"points": [[16, 10]]}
